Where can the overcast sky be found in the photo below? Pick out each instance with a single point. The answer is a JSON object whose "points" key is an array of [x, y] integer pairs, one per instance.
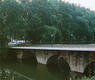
{"points": [[85, 3]]}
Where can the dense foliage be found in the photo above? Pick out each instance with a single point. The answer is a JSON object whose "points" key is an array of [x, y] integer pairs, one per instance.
{"points": [[45, 21], [58, 22]]}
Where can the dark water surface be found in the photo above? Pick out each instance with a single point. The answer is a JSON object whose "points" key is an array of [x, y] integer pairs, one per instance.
{"points": [[27, 70]]}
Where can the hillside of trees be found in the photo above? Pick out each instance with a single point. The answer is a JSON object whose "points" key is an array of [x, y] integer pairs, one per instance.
{"points": [[45, 21]]}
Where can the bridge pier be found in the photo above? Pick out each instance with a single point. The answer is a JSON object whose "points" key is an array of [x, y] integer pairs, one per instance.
{"points": [[43, 56], [25, 54], [20, 55]]}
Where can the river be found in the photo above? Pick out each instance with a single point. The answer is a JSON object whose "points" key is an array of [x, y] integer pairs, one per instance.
{"points": [[27, 70]]}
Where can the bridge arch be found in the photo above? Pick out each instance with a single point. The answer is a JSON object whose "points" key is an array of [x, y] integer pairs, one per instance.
{"points": [[59, 64], [90, 69]]}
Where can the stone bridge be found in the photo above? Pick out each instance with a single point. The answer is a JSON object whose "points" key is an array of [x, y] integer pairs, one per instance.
{"points": [[78, 57]]}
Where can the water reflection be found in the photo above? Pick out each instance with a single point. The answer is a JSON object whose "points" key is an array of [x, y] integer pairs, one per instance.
{"points": [[27, 70], [58, 67], [56, 72]]}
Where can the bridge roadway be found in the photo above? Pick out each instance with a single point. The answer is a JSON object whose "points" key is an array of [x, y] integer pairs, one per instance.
{"points": [[65, 47]]}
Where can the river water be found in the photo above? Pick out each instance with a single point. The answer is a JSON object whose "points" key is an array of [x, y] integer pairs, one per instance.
{"points": [[27, 70]]}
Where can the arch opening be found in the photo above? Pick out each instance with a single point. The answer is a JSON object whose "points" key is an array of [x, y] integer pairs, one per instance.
{"points": [[89, 71], [57, 64]]}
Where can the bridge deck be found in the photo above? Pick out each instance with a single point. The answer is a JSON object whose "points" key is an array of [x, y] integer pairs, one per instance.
{"points": [[81, 47]]}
